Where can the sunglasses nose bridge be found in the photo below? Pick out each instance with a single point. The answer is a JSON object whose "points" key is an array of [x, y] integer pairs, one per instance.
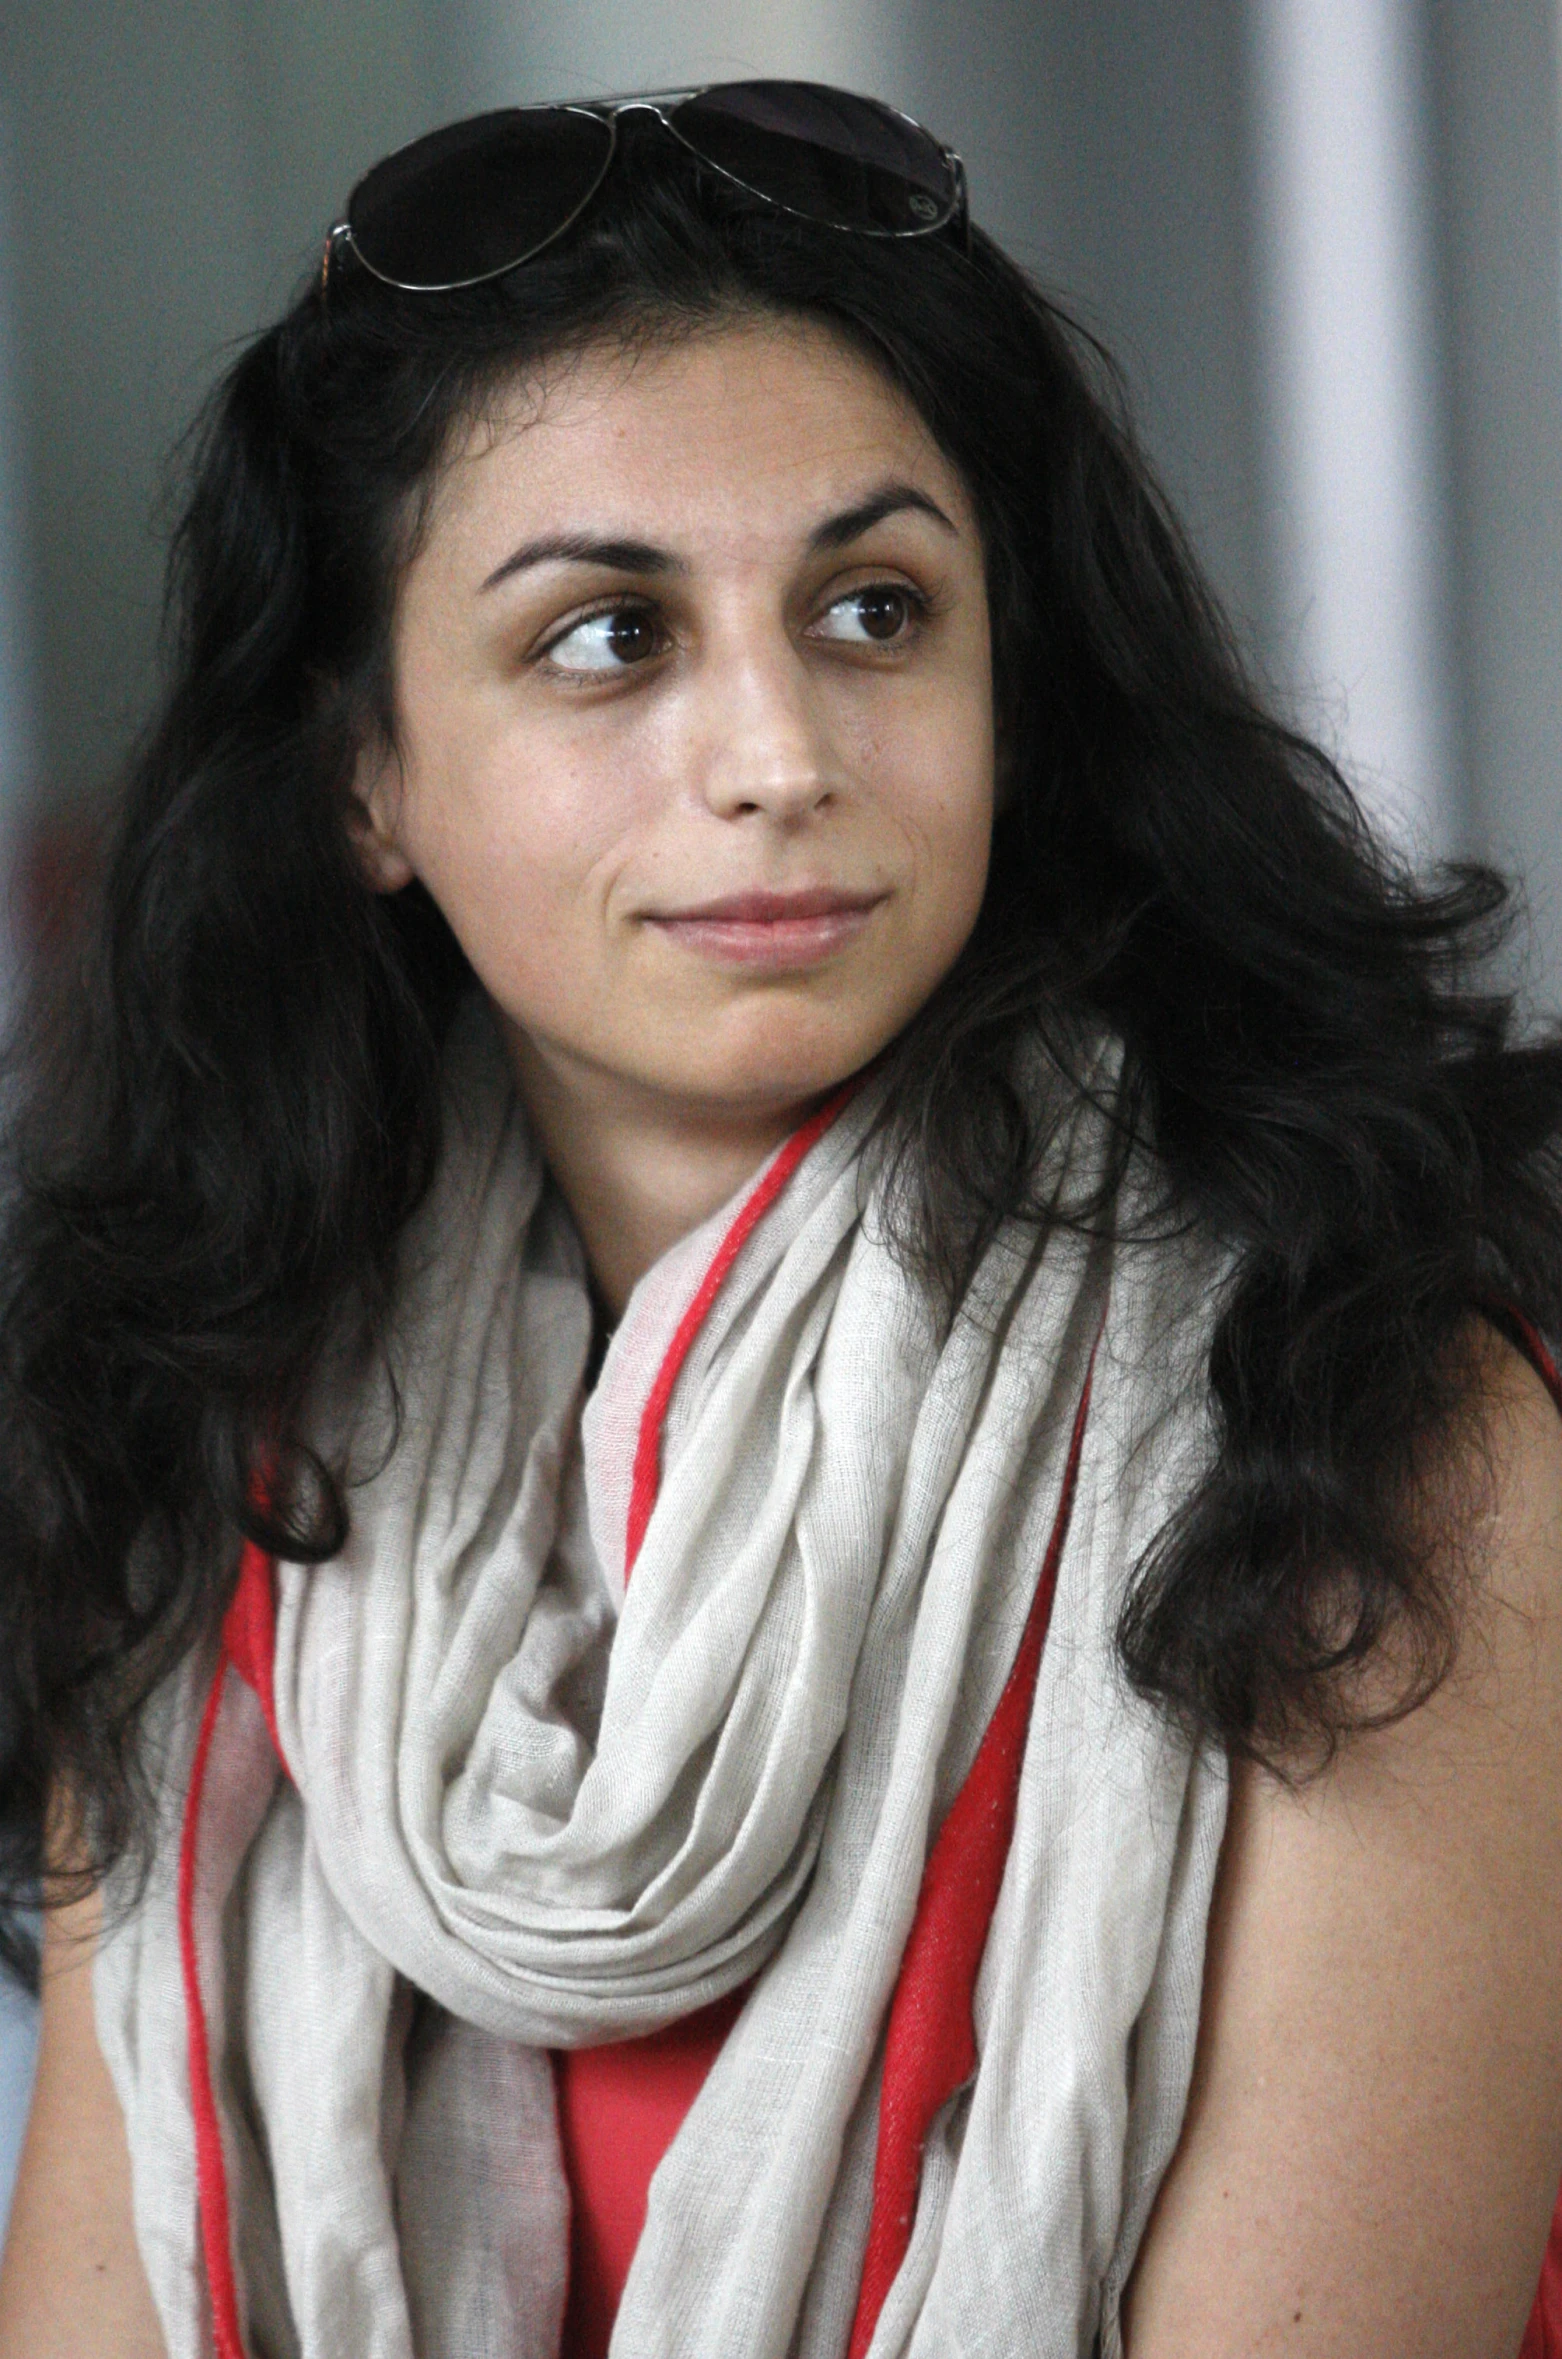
{"points": [[658, 110]]}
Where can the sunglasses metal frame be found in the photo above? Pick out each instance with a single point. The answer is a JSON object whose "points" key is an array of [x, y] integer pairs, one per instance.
{"points": [[607, 110]]}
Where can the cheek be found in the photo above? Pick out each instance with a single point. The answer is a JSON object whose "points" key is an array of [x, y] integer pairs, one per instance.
{"points": [[951, 817], [517, 862]]}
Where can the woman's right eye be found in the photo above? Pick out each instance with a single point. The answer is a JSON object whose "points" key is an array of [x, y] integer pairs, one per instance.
{"points": [[609, 641]]}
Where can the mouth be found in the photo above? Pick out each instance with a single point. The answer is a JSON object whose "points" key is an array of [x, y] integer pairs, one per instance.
{"points": [[771, 930]]}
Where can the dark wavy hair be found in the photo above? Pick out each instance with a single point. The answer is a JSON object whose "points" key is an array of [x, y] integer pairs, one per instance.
{"points": [[223, 1126]]}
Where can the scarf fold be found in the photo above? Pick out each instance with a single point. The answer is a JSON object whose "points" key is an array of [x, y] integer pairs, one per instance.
{"points": [[853, 1731]]}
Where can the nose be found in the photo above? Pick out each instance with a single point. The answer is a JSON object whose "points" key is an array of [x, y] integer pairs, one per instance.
{"points": [[767, 751]]}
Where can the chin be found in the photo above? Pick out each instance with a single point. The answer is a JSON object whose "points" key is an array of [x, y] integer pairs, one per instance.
{"points": [[779, 1063]]}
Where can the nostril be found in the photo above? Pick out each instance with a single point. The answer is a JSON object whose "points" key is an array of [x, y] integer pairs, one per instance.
{"points": [[778, 789]]}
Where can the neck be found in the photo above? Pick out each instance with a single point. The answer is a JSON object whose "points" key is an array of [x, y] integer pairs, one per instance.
{"points": [[636, 1171]]}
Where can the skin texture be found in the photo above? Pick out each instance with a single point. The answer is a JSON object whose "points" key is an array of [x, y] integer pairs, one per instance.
{"points": [[72, 2281], [1374, 2143], [1375, 2137], [564, 805]]}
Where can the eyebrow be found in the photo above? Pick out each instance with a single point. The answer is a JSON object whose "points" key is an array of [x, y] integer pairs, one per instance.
{"points": [[891, 499], [643, 557], [586, 548]]}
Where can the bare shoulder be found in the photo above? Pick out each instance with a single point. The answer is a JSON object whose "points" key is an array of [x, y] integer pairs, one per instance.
{"points": [[1495, 1501], [1374, 2139], [1522, 1425], [72, 2279]]}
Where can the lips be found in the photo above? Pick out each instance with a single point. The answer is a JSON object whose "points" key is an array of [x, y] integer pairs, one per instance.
{"points": [[770, 930]]}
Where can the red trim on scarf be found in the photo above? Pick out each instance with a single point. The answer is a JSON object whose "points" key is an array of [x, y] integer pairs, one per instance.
{"points": [[211, 2177], [646, 1478], [930, 2045], [249, 1638], [249, 1632], [248, 1646]]}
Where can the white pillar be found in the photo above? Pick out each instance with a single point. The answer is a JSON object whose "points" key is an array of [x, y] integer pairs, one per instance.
{"points": [[17, 742], [1350, 380], [1499, 72], [18, 2013]]}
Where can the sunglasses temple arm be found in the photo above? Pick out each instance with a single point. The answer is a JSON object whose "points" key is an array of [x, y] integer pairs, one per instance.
{"points": [[336, 236]]}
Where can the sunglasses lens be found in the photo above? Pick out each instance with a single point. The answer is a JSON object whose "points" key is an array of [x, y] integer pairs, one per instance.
{"points": [[473, 200], [825, 153]]}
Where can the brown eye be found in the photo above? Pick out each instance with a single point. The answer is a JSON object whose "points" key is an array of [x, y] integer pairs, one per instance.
{"points": [[883, 612], [631, 636], [608, 642], [877, 615]]}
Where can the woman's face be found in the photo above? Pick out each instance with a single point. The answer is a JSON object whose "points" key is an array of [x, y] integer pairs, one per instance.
{"points": [[694, 695]]}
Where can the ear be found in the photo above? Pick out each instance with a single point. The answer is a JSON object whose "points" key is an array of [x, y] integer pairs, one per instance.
{"points": [[375, 804]]}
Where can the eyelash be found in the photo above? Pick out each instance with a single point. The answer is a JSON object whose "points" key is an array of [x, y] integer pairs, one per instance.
{"points": [[609, 606], [920, 605]]}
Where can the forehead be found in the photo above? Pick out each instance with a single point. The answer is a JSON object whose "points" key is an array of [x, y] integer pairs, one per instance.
{"points": [[738, 436]]}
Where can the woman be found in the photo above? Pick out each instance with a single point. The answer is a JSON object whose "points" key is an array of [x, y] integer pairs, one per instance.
{"points": [[765, 1239]]}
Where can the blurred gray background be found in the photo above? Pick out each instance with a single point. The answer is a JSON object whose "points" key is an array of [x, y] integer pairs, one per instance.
{"points": [[1323, 237]]}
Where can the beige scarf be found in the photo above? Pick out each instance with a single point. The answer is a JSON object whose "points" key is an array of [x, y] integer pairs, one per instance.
{"points": [[527, 1806]]}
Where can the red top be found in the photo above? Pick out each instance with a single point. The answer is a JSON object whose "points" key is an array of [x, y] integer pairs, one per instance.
{"points": [[620, 2108]]}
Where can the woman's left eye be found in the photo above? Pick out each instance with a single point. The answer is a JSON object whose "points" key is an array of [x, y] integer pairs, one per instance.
{"points": [[878, 615], [611, 641]]}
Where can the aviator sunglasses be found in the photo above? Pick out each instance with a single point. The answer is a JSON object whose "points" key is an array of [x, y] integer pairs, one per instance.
{"points": [[471, 201]]}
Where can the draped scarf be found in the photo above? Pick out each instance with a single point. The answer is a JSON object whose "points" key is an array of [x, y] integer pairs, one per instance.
{"points": [[786, 1659]]}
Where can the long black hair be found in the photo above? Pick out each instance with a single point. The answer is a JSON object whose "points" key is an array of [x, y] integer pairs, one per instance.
{"points": [[222, 1131]]}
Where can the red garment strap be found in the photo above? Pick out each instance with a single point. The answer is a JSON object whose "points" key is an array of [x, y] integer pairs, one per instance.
{"points": [[248, 1646], [211, 2176], [645, 1480], [1543, 2335], [249, 1632], [930, 2045], [1526, 1337]]}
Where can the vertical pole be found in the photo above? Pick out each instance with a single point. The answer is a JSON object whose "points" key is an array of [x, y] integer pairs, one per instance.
{"points": [[18, 2011], [1498, 80], [1350, 391], [16, 713]]}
